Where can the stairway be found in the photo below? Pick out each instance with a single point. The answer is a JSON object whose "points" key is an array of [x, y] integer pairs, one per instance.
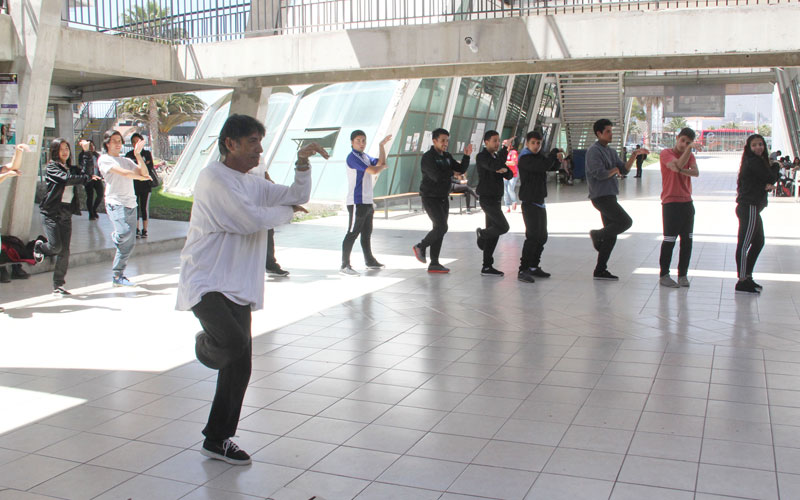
{"points": [[585, 98], [94, 119]]}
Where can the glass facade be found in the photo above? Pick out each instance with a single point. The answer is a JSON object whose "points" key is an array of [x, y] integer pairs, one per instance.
{"points": [[548, 108]]}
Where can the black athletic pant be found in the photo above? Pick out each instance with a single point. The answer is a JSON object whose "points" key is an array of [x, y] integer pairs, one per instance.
{"points": [[678, 218], [750, 240], [359, 222], [271, 262], [535, 218], [496, 225], [469, 193], [615, 221], [225, 345], [58, 230], [94, 196], [142, 202], [438, 209]]}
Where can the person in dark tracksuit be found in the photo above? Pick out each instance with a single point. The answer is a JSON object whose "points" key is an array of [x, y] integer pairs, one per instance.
{"points": [[533, 167], [492, 170], [639, 162], [437, 170], [755, 180]]}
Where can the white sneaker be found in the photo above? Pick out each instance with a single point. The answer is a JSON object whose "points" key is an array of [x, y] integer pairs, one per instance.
{"points": [[668, 282], [349, 271]]}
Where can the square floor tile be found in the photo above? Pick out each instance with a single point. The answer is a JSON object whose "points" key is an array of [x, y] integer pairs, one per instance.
{"points": [[329, 486], [624, 491], [648, 471], [463, 424], [355, 462], [291, 452], [737, 454], [383, 491], [528, 431], [736, 481], [189, 467], [31, 470], [83, 482], [511, 455], [258, 479], [597, 439], [385, 438], [448, 447], [422, 473], [356, 411], [556, 487], [669, 446], [493, 482], [326, 430], [82, 447], [135, 456], [411, 418], [583, 463]]}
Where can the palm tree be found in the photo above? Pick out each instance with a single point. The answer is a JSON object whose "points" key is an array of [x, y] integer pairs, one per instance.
{"points": [[677, 123], [162, 113], [150, 21], [649, 103]]}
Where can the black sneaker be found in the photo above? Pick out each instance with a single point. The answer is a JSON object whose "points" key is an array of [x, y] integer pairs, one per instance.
{"points": [[747, 286], [38, 256], [438, 269], [60, 291], [374, 264], [144, 233], [605, 275], [138, 234], [276, 270], [227, 451], [480, 240], [17, 273], [490, 271], [539, 273], [525, 276], [749, 278], [419, 253], [594, 234]]}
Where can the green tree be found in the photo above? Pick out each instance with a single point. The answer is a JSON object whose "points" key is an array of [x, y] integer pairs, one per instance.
{"points": [[162, 114], [765, 130], [732, 125], [150, 21], [648, 104], [676, 124]]}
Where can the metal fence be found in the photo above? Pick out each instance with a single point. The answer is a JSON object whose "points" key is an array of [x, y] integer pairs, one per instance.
{"points": [[196, 21]]}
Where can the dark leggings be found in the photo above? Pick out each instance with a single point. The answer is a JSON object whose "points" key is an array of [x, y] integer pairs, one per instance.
{"points": [[438, 209], [750, 240], [496, 225], [535, 218], [58, 230], [359, 222], [94, 196], [678, 221], [615, 221], [142, 200]]}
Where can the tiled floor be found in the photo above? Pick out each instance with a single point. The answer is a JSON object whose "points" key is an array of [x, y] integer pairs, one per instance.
{"points": [[401, 385]]}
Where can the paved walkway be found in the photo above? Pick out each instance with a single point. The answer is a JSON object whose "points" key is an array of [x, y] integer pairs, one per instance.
{"points": [[403, 385]]}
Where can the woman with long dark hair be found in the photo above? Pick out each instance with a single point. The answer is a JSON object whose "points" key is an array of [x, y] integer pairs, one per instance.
{"points": [[57, 207], [756, 179]]}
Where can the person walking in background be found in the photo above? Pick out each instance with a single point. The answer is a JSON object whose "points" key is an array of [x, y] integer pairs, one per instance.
{"points": [[755, 180], [492, 171], [142, 189], [533, 166], [510, 185], [87, 159], [639, 162], [438, 167]]}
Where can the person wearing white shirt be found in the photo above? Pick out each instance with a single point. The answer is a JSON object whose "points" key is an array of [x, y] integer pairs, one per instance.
{"points": [[119, 173], [222, 266]]}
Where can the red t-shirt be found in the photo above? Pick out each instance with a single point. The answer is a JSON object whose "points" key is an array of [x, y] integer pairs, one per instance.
{"points": [[675, 187], [511, 161]]}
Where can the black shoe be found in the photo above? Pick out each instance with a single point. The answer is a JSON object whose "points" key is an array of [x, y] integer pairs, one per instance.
{"points": [[480, 240], [138, 233], [490, 271], [59, 290], [419, 253], [38, 256], [605, 275], [4, 276], [227, 451], [17, 273], [747, 286], [525, 276], [374, 264], [277, 271], [539, 273], [749, 278], [144, 233], [594, 234], [438, 269]]}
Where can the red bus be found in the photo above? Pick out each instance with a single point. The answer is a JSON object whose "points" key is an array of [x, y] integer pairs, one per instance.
{"points": [[725, 139]]}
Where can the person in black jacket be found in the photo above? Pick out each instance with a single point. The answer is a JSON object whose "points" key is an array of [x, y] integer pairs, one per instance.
{"points": [[59, 204], [437, 169], [142, 188], [492, 170], [87, 159], [756, 179], [533, 166], [639, 162]]}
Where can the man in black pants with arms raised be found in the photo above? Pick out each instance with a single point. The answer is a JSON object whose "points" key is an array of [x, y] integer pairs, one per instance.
{"points": [[533, 167], [602, 167], [491, 172], [437, 168]]}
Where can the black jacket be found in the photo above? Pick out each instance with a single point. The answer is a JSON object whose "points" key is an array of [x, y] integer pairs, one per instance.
{"points": [[490, 183], [437, 170], [57, 178], [88, 163], [147, 156], [754, 175], [533, 176]]}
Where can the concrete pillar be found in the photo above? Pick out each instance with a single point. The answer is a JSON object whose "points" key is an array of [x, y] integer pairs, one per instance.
{"points": [[65, 126], [265, 17], [253, 101], [37, 26]]}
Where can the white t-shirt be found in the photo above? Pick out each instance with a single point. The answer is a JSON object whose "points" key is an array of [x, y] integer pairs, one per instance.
{"points": [[226, 245], [119, 189]]}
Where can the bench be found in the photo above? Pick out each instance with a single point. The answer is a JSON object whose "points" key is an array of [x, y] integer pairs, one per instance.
{"points": [[460, 197], [394, 197]]}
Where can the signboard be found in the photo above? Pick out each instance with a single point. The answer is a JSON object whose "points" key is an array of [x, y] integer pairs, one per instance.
{"points": [[694, 100], [9, 107]]}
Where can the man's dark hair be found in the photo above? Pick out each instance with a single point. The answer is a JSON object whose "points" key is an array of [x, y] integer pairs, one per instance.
{"points": [[439, 131], [535, 134], [107, 135], [489, 134], [601, 125], [778, 152], [357, 133], [236, 127], [688, 133], [135, 135], [55, 149]]}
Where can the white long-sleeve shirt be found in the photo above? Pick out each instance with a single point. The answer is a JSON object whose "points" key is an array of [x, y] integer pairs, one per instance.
{"points": [[226, 246]]}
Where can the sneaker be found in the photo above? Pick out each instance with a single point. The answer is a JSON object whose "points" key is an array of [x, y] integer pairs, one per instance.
{"points": [[525, 276], [374, 264], [227, 451], [480, 240], [469, 211], [5, 277], [508, 210], [138, 233], [668, 282], [59, 290], [746, 286], [605, 276], [683, 281], [348, 271], [438, 269], [594, 234], [514, 207], [17, 273], [419, 253], [749, 278], [490, 271], [144, 233], [122, 281], [276, 270], [38, 256], [539, 272]]}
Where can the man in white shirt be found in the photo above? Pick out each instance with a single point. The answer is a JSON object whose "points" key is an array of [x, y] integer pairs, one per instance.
{"points": [[222, 266], [119, 173]]}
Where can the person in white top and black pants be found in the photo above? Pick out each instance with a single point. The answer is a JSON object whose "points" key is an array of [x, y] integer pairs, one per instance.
{"points": [[222, 266]]}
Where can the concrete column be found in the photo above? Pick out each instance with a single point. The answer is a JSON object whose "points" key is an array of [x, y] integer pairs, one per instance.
{"points": [[65, 126], [265, 17], [37, 26], [252, 101]]}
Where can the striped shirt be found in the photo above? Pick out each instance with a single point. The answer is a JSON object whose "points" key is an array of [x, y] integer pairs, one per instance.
{"points": [[360, 183]]}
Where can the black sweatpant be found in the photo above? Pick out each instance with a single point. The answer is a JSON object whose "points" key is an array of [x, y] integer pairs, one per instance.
{"points": [[58, 230], [496, 225], [271, 262], [359, 221], [535, 218], [750, 240], [678, 218], [438, 209], [94, 196], [225, 345], [143, 203], [615, 221], [469, 193]]}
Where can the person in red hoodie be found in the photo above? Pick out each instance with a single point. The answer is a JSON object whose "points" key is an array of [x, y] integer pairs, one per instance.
{"points": [[510, 197]]}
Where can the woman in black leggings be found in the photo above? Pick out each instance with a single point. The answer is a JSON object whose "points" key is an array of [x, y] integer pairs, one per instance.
{"points": [[756, 179]]}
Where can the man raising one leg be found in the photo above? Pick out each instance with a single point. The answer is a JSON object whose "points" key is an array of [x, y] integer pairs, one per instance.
{"points": [[492, 170]]}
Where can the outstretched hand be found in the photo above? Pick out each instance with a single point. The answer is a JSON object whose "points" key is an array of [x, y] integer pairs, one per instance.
{"points": [[386, 140], [23, 148], [468, 150], [311, 150], [137, 149]]}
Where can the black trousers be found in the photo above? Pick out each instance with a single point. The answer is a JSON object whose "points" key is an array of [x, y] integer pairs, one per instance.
{"points": [[225, 345], [535, 218], [271, 262], [143, 202], [469, 193], [94, 196], [496, 225], [639, 169], [615, 221], [58, 230], [359, 221], [438, 209], [678, 221], [750, 240]]}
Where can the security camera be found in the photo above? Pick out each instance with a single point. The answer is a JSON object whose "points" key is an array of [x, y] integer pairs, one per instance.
{"points": [[471, 44]]}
